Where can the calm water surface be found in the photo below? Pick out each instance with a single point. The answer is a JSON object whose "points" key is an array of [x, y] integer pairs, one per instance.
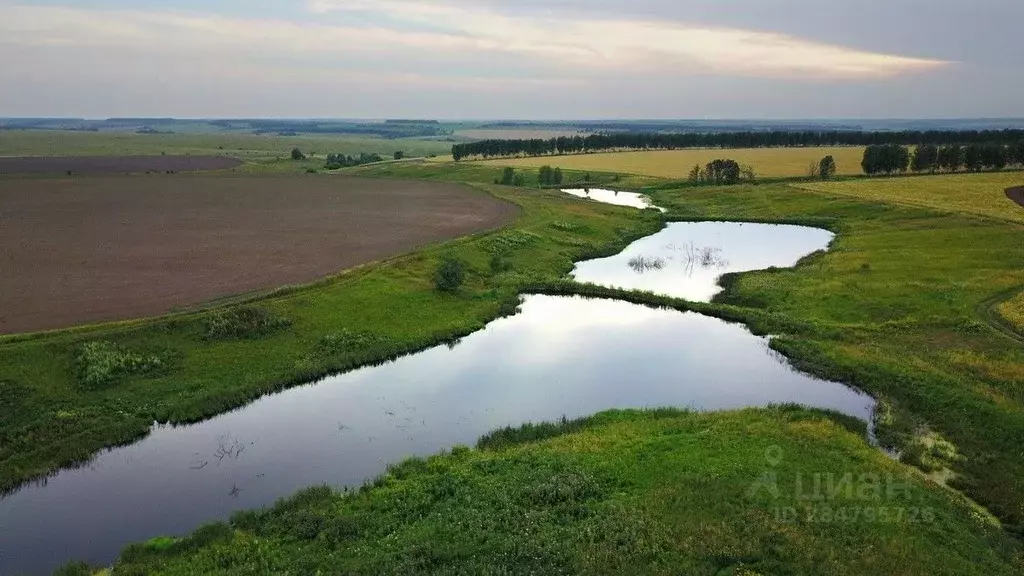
{"points": [[630, 199], [686, 259], [558, 356]]}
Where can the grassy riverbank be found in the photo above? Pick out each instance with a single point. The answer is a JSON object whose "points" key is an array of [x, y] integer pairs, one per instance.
{"points": [[66, 395], [899, 306], [622, 492]]}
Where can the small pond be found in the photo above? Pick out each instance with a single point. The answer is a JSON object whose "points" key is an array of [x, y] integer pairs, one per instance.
{"points": [[686, 259], [630, 199]]}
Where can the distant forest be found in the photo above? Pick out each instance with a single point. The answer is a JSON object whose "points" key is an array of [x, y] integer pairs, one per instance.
{"points": [[773, 139], [386, 129]]}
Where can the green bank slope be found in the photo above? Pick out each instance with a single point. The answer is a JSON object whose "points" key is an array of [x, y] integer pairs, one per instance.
{"points": [[662, 492]]}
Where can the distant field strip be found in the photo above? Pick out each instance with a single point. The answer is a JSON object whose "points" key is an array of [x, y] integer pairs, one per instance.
{"points": [[981, 194], [68, 143], [767, 162]]}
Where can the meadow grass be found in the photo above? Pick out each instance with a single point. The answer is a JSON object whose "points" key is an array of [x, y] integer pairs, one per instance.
{"points": [[676, 164], [245, 146], [1012, 311], [663, 491], [896, 307], [224, 358], [982, 194]]}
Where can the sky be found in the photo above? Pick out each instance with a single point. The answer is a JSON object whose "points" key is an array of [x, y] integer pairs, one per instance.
{"points": [[512, 59]]}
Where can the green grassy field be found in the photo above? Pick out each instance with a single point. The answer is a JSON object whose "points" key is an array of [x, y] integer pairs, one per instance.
{"points": [[897, 307], [245, 146], [676, 164], [623, 492], [1013, 311], [980, 194]]}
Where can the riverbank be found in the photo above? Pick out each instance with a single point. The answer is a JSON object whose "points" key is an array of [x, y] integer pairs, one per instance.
{"points": [[622, 492]]}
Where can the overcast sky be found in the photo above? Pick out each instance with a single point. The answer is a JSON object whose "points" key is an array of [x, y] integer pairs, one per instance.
{"points": [[530, 59]]}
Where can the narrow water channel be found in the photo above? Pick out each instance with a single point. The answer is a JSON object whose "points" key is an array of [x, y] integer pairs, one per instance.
{"points": [[559, 356]]}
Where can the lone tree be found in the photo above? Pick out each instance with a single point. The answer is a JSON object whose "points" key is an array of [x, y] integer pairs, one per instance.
{"points": [[399, 155], [449, 274], [297, 154], [556, 176], [508, 175], [827, 167]]}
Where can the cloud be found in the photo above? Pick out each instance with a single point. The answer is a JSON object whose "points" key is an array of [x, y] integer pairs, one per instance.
{"points": [[626, 44], [459, 39]]}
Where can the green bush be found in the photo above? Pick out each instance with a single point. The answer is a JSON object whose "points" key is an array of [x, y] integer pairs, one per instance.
{"points": [[99, 364], [499, 264], [244, 322], [450, 274]]}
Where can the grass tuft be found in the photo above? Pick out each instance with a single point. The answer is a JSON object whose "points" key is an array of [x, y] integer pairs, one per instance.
{"points": [[245, 322], [99, 364]]}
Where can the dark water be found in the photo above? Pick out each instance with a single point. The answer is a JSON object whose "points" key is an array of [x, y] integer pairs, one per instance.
{"points": [[631, 199], [560, 356], [687, 258]]}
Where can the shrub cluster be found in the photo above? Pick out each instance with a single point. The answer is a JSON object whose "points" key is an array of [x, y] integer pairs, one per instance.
{"points": [[721, 172], [450, 274]]}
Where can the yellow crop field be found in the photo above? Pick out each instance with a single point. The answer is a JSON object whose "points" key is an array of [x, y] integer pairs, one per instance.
{"points": [[982, 194], [767, 162]]}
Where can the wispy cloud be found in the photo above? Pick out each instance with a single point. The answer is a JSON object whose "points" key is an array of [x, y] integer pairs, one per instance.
{"points": [[448, 32], [629, 45]]}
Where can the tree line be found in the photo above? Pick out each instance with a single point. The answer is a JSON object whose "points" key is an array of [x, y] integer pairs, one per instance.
{"points": [[765, 139], [336, 161], [975, 157]]}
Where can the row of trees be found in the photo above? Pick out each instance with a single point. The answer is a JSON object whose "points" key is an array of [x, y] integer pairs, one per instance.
{"points": [[892, 158], [336, 161], [664, 141]]}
